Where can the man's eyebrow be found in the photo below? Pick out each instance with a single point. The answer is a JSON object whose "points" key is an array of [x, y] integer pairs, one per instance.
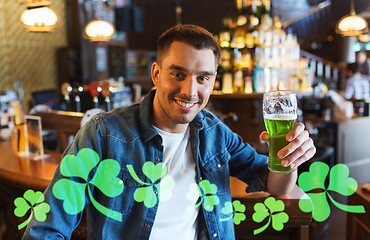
{"points": [[179, 68]]}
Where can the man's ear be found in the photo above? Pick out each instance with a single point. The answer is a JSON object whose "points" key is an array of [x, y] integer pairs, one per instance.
{"points": [[155, 73]]}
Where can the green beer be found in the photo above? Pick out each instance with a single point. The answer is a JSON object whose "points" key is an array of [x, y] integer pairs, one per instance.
{"points": [[278, 126]]}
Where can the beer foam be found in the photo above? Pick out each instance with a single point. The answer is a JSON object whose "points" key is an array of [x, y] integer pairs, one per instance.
{"points": [[280, 116]]}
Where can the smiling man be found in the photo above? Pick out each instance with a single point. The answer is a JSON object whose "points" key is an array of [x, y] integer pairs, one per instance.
{"points": [[174, 158], [184, 78]]}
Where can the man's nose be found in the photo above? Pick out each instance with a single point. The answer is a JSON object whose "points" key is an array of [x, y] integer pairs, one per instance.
{"points": [[189, 87]]}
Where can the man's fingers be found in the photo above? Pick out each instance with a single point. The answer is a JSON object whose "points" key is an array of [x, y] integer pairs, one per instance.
{"points": [[301, 154], [308, 155], [296, 143], [298, 128]]}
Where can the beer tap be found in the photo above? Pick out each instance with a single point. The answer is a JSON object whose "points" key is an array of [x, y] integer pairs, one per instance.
{"points": [[66, 90], [93, 87], [106, 91], [77, 89]]}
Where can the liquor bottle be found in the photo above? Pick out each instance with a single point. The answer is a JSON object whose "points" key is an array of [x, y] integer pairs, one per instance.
{"points": [[238, 84], [218, 81], [19, 134], [248, 80], [227, 82], [267, 78], [259, 80]]}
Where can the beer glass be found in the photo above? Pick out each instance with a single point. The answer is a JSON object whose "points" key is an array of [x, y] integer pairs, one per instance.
{"points": [[280, 116]]}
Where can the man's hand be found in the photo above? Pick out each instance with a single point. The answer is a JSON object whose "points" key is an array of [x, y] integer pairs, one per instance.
{"points": [[300, 148]]}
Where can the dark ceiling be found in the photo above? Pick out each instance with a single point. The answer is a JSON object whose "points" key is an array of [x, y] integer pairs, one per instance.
{"points": [[309, 25]]}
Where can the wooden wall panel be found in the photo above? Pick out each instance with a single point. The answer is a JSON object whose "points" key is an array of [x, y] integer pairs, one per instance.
{"points": [[28, 56]]}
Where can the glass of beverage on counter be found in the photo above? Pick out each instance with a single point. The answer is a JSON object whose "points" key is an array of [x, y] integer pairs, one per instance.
{"points": [[280, 116]]}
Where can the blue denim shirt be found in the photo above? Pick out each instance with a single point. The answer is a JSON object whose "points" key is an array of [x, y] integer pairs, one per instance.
{"points": [[127, 136]]}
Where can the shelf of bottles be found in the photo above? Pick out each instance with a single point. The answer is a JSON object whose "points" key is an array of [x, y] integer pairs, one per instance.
{"points": [[258, 55]]}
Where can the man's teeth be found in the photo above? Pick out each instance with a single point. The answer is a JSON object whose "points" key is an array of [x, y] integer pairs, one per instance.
{"points": [[187, 105]]}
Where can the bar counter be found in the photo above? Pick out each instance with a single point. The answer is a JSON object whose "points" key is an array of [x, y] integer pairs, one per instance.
{"points": [[26, 173]]}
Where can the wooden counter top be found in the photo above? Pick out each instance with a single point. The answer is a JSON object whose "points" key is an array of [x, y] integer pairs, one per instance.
{"points": [[25, 172]]}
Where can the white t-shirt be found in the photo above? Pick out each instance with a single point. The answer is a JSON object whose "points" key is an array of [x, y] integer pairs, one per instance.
{"points": [[176, 217]]}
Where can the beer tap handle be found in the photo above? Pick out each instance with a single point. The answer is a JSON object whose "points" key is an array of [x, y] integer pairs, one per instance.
{"points": [[77, 89], [94, 93], [106, 91], [109, 104], [78, 103], [66, 90]]}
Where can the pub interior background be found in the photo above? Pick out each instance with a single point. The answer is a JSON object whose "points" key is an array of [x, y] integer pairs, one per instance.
{"points": [[65, 71]]}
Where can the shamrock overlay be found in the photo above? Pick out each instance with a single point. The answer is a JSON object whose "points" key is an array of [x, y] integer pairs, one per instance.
{"points": [[72, 190], [237, 209], [339, 182], [207, 192], [273, 209], [33, 201], [85, 172], [148, 193]]}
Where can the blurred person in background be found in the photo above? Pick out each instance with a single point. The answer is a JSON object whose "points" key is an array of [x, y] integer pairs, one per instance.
{"points": [[357, 86], [364, 63]]}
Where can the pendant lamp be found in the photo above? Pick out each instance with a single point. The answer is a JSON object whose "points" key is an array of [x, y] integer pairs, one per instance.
{"points": [[98, 29], [352, 24], [39, 17]]}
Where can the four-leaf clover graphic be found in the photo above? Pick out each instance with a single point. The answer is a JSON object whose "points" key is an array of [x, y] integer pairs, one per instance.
{"points": [[72, 189], [33, 201], [207, 192], [237, 209], [274, 210], [339, 182], [148, 193]]}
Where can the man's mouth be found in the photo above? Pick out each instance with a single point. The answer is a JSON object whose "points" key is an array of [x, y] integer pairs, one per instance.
{"points": [[185, 104]]}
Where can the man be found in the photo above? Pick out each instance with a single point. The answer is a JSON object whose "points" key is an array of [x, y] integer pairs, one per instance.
{"points": [[364, 65], [357, 87], [168, 130]]}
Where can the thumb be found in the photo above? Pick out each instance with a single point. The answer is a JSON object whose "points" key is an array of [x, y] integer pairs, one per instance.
{"points": [[263, 136]]}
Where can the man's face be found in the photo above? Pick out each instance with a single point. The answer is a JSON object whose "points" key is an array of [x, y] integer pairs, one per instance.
{"points": [[184, 83]]}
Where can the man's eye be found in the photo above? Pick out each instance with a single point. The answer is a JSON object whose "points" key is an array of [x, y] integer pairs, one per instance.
{"points": [[178, 75], [203, 78]]}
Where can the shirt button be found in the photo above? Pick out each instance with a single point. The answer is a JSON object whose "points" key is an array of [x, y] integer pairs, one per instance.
{"points": [[147, 226], [155, 192], [207, 207], [218, 165], [157, 160], [215, 235]]}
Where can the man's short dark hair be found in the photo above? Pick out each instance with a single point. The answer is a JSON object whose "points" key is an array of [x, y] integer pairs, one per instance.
{"points": [[193, 35], [354, 67]]}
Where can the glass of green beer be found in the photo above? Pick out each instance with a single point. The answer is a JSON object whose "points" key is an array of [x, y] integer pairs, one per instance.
{"points": [[280, 116]]}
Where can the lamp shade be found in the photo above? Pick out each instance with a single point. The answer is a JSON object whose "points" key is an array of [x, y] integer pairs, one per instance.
{"points": [[352, 25], [39, 17], [99, 30]]}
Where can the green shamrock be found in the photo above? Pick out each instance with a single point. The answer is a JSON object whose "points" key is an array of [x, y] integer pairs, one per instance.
{"points": [[34, 201], [237, 209], [78, 168], [339, 182], [207, 192], [268, 209], [148, 193]]}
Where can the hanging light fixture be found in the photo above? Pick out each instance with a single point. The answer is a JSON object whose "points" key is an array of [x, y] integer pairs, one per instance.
{"points": [[99, 30], [39, 17], [352, 24]]}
